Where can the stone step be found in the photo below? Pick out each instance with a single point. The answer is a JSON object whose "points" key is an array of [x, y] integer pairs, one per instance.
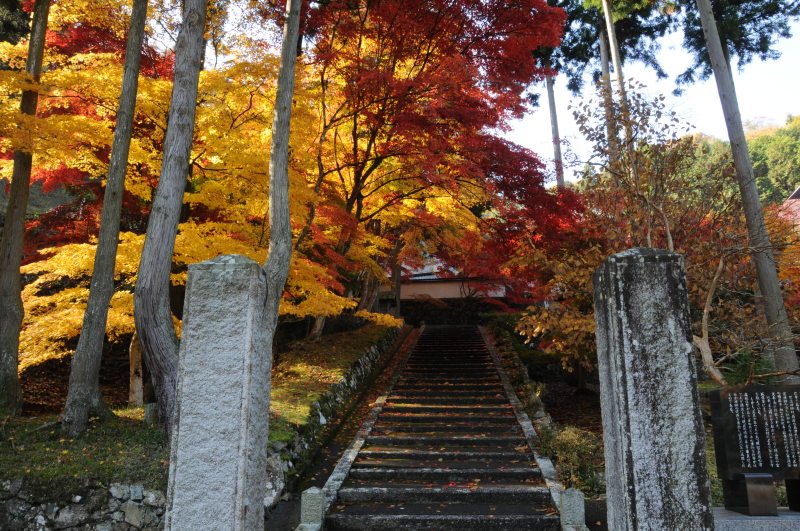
{"points": [[510, 494], [426, 377], [446, 419], [435, 355], [449, 392], [450, 455], [446, 373], [440, 408], [450, 358], [444, 383], [470, 410], [466, 350], [478, 386], [438, 367], [442, 474], [486, 463], [440, 522], [446, 430], [452, 440], [428, 482], [439, 427], [455, 400]]}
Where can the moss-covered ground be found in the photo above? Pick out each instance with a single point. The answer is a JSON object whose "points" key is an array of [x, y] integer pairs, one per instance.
{"points": [[126, 450], [119, 450]]}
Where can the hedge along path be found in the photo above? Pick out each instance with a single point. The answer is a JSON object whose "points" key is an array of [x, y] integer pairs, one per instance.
{"points": [[443, 449]]}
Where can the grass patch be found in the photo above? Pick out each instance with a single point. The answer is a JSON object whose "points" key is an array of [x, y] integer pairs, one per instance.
{"points": [[306, 372], [120, 450]]}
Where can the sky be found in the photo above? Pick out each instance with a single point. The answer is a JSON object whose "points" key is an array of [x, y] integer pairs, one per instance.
{"points": [[767, 92]]}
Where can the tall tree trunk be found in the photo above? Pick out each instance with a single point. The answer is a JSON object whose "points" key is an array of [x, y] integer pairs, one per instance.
{"points": [[608, 100], [280, 230], [83, 397], [616, 59], [14, 229], [135, 373], [551, 99], [151, 298], [761, 253]]}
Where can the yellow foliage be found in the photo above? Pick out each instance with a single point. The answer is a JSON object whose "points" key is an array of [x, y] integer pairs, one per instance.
{"points": [[381, 319]]}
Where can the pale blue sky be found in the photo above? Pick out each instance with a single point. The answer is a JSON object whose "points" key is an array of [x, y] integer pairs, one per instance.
{"points": [[767, 91]]}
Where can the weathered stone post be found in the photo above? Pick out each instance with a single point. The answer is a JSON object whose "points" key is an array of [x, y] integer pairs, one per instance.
{"points": [[218, 450], [656, 475]]}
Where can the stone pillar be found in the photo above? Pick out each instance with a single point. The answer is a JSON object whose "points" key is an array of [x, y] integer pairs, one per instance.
{"points": [[656, 475], [312, 509], [219, 442]]}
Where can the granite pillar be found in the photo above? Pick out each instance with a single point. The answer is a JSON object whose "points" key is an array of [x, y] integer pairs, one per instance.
{"points": [[218, 448], [653, 432]]}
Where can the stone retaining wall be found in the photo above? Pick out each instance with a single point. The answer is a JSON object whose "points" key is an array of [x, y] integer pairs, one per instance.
{"points": [[116, 508], [131, 507]]}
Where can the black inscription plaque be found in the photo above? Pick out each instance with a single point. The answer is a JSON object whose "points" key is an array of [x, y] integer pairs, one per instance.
{"points": [[757, 441]]}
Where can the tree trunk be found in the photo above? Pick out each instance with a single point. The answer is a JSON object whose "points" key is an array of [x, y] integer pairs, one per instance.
{"points": [[551, 99], [370, 287], [608, 100], [135, 373], [151, 299], [397, 281], [83, 397], [616, 59], [316, 330], [280, 230], [14, 229], [761, 253]]}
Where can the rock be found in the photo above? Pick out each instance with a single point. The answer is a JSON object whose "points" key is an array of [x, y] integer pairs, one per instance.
{"points": [[279, 446], [121, 492], [275, 480], [76, 499], [114, 504], [104, 526], [154, 498], [98, 499], [50, 510], [40, 520], [17, 507], [134, 513], [15, 486], [118, 516], [71, 516], [150, 518], [136, 492], [27, 495]]}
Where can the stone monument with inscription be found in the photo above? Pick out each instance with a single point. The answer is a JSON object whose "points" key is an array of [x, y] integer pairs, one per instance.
{"points": [[656, 475], [757, 442]]}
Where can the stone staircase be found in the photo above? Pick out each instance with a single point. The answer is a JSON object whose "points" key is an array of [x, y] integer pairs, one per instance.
{"points": [[446, 450]]}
